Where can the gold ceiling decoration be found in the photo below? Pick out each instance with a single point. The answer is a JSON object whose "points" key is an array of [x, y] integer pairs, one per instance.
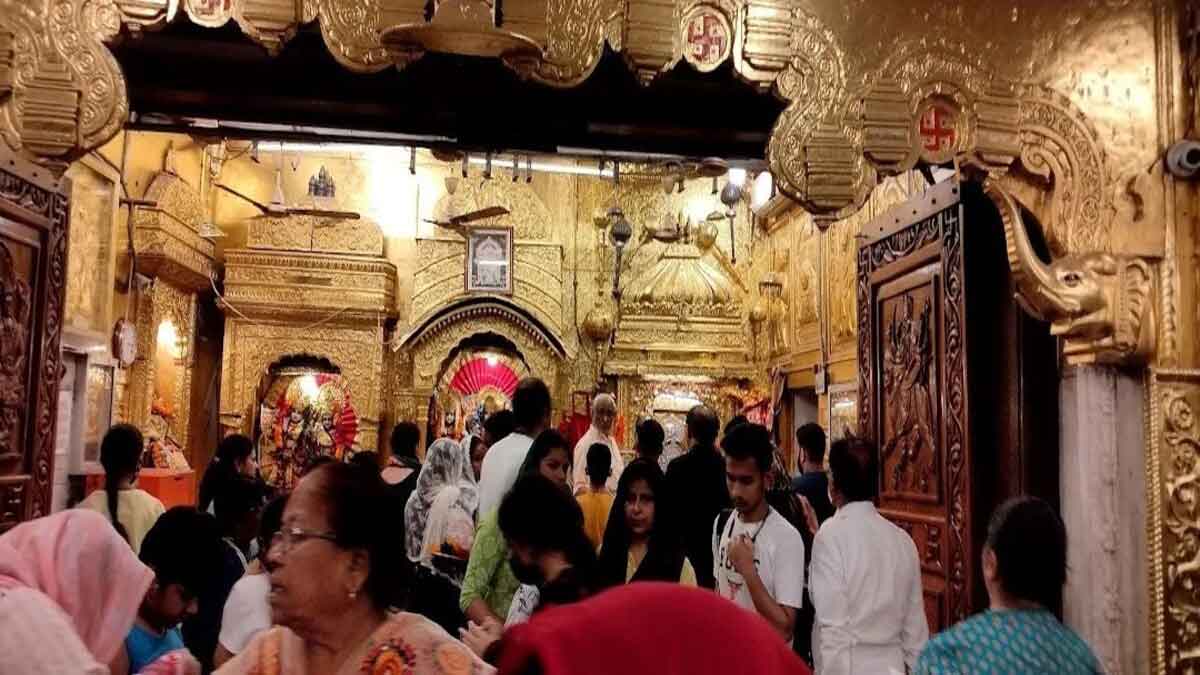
{"points": [[849, 121]]}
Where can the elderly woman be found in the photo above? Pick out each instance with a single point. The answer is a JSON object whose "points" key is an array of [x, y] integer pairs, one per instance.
{"points": [[335, 577], [439, 529]]}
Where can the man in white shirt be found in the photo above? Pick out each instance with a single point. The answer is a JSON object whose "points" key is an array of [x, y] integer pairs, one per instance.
{"points": [[758, 557], [604, 414], [865, 576], [531, 413]]}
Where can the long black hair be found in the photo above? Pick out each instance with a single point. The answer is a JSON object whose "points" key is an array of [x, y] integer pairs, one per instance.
{"points": [[545, 443], [223, 467], [540, 514], [121, 457], [664, 550]]}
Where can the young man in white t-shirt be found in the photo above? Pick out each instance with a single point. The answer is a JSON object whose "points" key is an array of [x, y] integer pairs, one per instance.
{"points": [[758, 557]]}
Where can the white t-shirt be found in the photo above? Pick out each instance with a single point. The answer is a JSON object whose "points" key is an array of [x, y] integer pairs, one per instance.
{"points": [[778, 557], [501, 465], [247, 612]]}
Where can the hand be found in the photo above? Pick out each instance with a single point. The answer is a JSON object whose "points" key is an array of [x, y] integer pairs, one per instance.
{"points": [[177, 662], [479, 637], [741, 555], [810, 516]]}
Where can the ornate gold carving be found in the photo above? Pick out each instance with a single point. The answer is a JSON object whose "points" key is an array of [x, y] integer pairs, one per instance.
{"points": [[432, 346], [651, 38], [315, 233], [351, 31], [271, 23], [1102, 305], [162, 302], [1059, 145], [165, 234], [64, 93], [575, 31], [251, 348], [1173, 479], [90, 249], [266, 283]]}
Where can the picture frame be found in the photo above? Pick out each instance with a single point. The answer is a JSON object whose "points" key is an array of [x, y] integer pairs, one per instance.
{"points": [[100, 395], [842, 411], [490, 260]]}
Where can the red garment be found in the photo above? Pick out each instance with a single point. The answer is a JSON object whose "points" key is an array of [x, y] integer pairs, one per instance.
{"points": [[648, 628], [573, 427]]}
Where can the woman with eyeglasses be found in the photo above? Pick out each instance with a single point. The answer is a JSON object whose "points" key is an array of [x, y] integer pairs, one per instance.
{"points": [[336, 578]]}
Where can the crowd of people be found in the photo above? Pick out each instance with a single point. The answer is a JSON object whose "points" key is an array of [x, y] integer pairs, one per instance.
{"points": [[514, 551]]}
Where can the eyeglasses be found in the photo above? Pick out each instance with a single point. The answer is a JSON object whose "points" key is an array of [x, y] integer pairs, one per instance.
{"points": [[283, 540]]}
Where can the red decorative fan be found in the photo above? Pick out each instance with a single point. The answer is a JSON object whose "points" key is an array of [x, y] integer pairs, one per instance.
{"points": [[479, 373]]}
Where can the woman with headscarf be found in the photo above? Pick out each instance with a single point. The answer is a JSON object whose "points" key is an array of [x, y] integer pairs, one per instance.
{"points": [[707, 634], [70, 589], [439, 530]]}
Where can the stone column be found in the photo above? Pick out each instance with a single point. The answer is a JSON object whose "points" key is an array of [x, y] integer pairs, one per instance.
{"points": [[1103, 491]]}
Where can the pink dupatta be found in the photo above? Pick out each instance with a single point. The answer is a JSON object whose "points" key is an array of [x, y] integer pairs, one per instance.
{"points": [[79, 561]]}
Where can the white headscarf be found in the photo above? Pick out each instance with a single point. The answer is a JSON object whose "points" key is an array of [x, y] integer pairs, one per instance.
{"points": [[446, 480]]}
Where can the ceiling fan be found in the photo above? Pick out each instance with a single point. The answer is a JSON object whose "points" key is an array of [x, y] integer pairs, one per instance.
{"points": [[276, 207], [459, 222]]}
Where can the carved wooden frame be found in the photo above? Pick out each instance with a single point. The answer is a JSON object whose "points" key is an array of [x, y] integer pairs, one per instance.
{"points": [[934, 233], [30, 196]]}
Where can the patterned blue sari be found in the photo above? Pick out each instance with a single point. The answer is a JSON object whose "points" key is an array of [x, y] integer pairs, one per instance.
{"points": [[1004, 642]]}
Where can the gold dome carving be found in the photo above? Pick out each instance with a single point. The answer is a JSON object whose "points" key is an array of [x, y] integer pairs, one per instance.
{"points": [[680, 283]]}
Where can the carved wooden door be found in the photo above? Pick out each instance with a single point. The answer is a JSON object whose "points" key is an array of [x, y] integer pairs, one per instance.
{"points": [[33, 241], [912, 387], [957, 386]]}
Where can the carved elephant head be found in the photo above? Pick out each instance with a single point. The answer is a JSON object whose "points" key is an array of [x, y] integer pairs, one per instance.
{"points": [[1100, 304]]}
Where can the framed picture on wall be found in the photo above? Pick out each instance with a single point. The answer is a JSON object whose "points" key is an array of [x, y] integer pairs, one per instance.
{"points": [[489, 260], [843, 411], [99, 409]]}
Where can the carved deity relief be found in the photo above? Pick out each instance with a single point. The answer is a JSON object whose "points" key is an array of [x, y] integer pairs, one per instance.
{"points": [[14, 353], [909, 439]]}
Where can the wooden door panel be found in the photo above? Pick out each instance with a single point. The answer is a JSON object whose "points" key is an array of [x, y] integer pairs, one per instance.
{"points": [[33, 230], [909, 447], [912, 392]]}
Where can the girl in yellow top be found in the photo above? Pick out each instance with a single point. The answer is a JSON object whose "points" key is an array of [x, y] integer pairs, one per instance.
{"points": [[596, 501], [132, 511], [642, 540]]}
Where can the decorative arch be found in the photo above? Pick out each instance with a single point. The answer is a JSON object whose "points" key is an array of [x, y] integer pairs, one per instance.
{"points": [[434, 341], [252, 348]]}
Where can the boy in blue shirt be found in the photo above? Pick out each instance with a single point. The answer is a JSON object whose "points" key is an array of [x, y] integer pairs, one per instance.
{"points": [[184, 550]]}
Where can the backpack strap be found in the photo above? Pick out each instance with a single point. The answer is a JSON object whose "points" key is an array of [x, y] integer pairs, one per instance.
{"points": [[722, 519]]}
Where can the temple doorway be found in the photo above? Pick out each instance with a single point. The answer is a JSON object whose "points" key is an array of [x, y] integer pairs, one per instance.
{"points": [[305, 411], [957, 385], [476, 379]]}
